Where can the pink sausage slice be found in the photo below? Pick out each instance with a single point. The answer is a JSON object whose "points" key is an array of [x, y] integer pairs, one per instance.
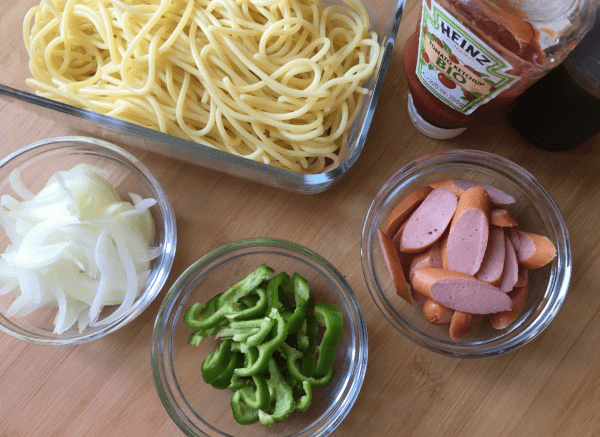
{"points": [[497, 196], [405, 258], [501, 217], [513, 235], [392, 262], [404, 209], [522, 278], [429, 258], [504, 318], [429, 221], [511, 268], [437, 314], [492, 265], [460, 292], [462, 323], [535, 250], [418, 297], [469, 230], [459, 186]]}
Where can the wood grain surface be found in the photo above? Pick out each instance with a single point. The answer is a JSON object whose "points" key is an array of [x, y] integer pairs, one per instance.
{"points": [[550, 387]]}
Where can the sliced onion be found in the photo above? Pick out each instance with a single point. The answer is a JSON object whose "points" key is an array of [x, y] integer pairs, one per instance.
{"points": [[76, 245]]}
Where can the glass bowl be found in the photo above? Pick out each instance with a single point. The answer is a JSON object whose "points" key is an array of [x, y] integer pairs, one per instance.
{"points": [[36, 163], [384, 19], [534, 210], [201, 410]]}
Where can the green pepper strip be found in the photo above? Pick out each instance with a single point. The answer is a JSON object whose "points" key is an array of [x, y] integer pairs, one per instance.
{"points": [[244, 286], [303, 403], [266, 349], [256, 310], [282, 392], [293, 357], [310, 353], [331, 317], [302, 338], [224, 379], [276, 297], [257, 397], [250, 332], [304, 301], [242, 415], [216, 361], [196, 313]]}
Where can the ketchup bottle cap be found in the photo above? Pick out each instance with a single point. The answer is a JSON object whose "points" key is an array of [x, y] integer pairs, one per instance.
{"points": [[427, 128]]}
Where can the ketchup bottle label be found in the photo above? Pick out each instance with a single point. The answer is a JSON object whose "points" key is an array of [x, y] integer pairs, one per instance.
{"points": [[457, 66]]}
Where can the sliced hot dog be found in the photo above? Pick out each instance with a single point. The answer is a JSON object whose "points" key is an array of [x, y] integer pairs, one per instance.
{"points": [[492, 265], [535, 250], [404, 209], [511, 267], [418, 297], [522, 277], [405, 258], [467, 239], [429, 258], [459, 186], [436, 313], [429, 221], [462, 323], [460, 291], [514, 239], [444, 250], [504, 318], [501, 217], [392, 261]]}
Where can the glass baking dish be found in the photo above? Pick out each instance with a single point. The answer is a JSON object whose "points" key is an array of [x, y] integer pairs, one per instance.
{"points": [[385, 16]]}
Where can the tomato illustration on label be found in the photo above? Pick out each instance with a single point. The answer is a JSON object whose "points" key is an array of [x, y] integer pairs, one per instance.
{"points": [[455, 65]]}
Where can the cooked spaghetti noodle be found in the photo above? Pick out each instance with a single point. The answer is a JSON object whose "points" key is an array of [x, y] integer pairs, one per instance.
{"points": [[276, 81]]}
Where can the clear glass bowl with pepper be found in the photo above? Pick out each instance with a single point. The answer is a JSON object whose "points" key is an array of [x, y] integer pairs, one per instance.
{"points": [[186, 354]]}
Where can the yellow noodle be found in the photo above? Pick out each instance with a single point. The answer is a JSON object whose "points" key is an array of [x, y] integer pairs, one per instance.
{"points": [[276, 81]]}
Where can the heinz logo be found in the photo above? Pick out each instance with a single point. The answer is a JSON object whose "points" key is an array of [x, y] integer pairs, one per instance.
{"points": [[464, 44]]}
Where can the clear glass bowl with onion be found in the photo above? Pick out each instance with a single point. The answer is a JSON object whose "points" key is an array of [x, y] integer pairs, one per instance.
{"points": [[88, 240]]}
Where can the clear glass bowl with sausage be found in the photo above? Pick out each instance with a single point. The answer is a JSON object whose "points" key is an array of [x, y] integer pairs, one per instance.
{"points": [[466, 254]]}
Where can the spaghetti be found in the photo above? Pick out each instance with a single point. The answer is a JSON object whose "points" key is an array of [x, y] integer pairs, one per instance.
{"points": [[276, 81]]}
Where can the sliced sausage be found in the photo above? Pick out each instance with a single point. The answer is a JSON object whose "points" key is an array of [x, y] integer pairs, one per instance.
{"points": [[492, 265], [404, 209], [444, 250], [501, 217], [522, 277], [418, 297], [504, 318], [535, 250], [511, 267], [405, 258], [392, 261], [469, 230], [436, 313], [514, 239], [459, 186], [429, 258], [460, 291], [462, 323], [429, 221]]}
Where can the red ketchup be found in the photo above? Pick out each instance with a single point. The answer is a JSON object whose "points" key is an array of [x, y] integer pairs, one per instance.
{"points": [[468, 58]]}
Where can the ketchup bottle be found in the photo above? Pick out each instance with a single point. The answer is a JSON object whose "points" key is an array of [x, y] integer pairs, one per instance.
{"points": [[468, 58]]}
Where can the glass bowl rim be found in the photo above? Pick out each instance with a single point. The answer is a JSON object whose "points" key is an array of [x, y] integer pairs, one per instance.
{"points": [[110, 151], [498, 165], [188, 277]]}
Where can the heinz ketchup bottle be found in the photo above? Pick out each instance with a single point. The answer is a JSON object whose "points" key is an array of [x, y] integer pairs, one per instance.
{"points": [[468, 58]]}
